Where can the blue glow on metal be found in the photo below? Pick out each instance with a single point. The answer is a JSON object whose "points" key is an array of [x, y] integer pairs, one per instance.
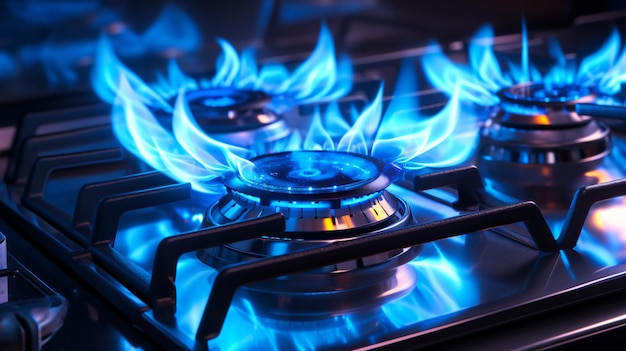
{"points": [[125, 345], [604, 70], [138, 241], [344, 203], [588, 243], [567, 264], [443, 289]]}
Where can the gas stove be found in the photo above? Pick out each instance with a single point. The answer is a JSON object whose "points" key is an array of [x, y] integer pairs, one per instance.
{"points": [[320, 201]]}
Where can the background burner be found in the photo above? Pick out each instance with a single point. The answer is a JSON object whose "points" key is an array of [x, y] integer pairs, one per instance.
{"points": [[238, 117], [535, 146], [541, 93], [228, 99], [325, 196]]}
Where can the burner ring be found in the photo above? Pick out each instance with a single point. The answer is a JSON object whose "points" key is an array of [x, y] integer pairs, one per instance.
{"points": [[234, 116], [541, 94], [312, 175], [537, 106], [227, 99]]}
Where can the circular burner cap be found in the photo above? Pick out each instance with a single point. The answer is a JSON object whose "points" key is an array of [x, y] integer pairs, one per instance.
{"points": [[540, 93], [238, 117], [541, 106], [227, 99], [314, 175]]}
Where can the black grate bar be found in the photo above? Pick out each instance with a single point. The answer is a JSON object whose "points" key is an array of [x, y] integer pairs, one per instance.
{"points": [[111, 208], [32, 196], [581, 204], [35, 117], [45, 165], [91, 194], [162, 285], [55, 144], [602, 111], [466, 180], [229, 279]]}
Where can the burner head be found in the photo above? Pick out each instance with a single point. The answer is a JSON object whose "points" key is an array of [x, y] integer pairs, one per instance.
{"points": [[313, 175], [536, 147], [325, 196], [238, 117]]}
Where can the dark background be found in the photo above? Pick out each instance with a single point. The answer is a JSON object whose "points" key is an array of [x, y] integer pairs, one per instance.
{"points": [[49, 46]]}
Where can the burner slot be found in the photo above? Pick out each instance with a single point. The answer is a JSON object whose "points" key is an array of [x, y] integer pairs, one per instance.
{"points": [[230, 278]]}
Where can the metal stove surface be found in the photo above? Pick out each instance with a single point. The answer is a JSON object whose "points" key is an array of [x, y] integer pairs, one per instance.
{"points": [[499, 270], [477, 278]]}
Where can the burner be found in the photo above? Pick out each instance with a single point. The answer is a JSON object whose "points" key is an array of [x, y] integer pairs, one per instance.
{"points": [[537, 147], [237, 117], [325, 196]]}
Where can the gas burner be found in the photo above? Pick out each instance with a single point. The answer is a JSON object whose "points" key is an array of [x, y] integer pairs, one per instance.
{"points": [[325, 196], [540, 94], [237, 117], [535, 146]]}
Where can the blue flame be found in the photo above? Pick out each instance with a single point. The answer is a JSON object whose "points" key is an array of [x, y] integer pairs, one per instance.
{"points": [[402, 135], [63, 54], [443, 289], [319, 78], [603, 71], [171, 34]]}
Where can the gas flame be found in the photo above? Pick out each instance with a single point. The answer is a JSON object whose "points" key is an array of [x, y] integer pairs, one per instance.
{"points": [[319, 78], [445, 288], [603, 71], [401, 135]]}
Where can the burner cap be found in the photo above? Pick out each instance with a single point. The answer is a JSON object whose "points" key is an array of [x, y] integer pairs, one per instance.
{"points": [[313, 175], [539, 106], [238, 117], [227, 110], [540, 93], [227, 99]]}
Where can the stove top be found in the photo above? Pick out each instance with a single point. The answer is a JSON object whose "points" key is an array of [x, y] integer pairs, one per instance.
{"points": [[321, 201]]}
